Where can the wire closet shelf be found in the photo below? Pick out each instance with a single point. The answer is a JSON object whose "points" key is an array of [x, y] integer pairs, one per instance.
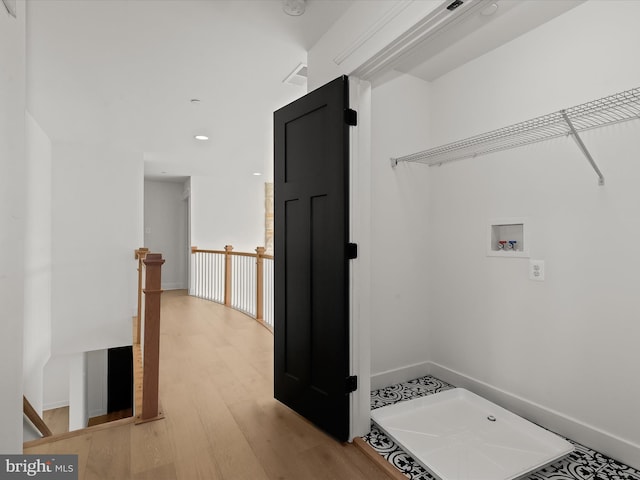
{"points": [[616, 108]]}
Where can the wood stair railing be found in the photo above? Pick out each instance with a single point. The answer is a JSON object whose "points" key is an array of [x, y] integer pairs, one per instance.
{"points": [[34, 418], [214, 277], [146, 336], [140, 255], [151, 353], [146, 347]]}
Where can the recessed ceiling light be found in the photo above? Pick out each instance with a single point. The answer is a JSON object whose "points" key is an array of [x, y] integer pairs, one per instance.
{"points": [[257, 174], [201, 137], [294, 8]]}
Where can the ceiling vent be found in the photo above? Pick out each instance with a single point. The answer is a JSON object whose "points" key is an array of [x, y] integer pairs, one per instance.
{"points": [[298, 77]]}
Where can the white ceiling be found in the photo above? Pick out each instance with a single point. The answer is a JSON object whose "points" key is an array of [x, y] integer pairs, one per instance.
{"points": [[121, 73]]}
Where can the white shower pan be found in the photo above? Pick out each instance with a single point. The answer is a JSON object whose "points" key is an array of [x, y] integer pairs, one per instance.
{"points": [[457, 435]]}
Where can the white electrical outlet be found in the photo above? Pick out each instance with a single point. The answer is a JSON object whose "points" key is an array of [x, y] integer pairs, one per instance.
{"points": [[536, 270]]}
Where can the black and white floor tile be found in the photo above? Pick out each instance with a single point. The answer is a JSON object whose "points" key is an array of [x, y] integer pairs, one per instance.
{"points": [[582, 464]]}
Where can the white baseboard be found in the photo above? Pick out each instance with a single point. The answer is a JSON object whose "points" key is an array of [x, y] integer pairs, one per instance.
{"points": [[588, 435], [399, 375], [52, 405], [174, 286], [97, 412]]}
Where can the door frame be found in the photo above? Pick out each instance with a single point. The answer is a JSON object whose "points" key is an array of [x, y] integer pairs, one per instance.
{"points": [[369, 59], [360, 271]]}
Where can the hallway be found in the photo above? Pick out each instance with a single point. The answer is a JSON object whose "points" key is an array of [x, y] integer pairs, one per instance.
{"points": [[216, 390]]}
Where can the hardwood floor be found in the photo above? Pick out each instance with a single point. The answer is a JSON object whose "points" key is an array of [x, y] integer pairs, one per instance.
{"points": [[216, 390], [110, 417], [57, 419]]}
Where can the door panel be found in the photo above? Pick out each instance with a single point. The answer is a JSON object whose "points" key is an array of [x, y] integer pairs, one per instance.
{"points": [[311, 330], [119, 379], [310, 153]]}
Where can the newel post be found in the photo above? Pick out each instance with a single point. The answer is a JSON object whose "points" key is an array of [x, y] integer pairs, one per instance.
{"points": [[259, 283], [227, 274], [153, 293]]}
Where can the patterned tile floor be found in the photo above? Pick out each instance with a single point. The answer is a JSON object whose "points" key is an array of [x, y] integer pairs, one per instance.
{"points": [[582, 464]]}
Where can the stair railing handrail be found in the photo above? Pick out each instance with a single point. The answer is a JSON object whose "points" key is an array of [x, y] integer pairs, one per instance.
{"points": [[35, 418], [261, 298], [140, 255]]}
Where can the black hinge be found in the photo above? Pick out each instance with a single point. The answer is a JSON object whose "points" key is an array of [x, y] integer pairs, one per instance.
{"points": [[352, 383], [351, 117], [452, 6], [352, 251]]}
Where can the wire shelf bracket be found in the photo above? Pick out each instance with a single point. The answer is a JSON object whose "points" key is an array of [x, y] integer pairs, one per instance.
{"points": [[620, 107], [582, 147]]}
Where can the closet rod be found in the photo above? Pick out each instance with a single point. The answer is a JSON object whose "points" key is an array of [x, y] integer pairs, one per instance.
{"points": [[619, 107]]}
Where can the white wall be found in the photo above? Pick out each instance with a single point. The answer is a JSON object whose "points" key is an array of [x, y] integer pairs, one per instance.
{"points": [[78, 393], [400, 121], [97, 225], [165, 227], [30, 432], [560, 351], [97, 373], [222, 214], [37, 304], [56, 382], [12, 236], [78, 381]]}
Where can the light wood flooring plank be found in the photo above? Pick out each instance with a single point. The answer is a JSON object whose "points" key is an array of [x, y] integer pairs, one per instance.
{"points": [[337, 462], [190, 444], [198, 465], [57, 419], [221, 421], [231, 450], [165, 471], [79, 445], [150, 447], [266, 436], [109, 455]]}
